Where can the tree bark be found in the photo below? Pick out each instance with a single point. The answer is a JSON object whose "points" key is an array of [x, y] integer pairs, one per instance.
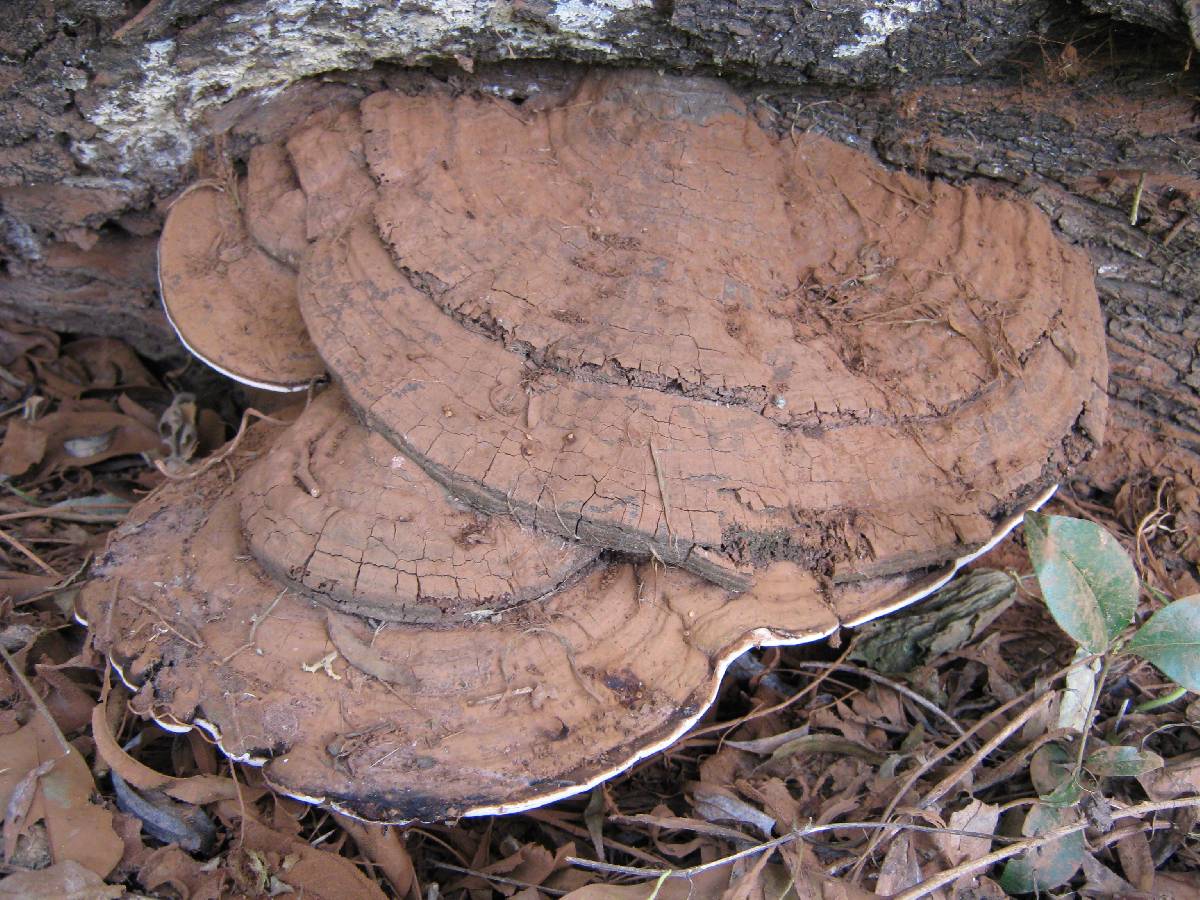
{"points": [[107, 107]]}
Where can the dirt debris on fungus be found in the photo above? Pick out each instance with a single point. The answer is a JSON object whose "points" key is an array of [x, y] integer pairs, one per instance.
{"points": [[624, 385]]}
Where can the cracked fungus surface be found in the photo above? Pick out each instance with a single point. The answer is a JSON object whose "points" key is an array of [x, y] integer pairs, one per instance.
{"points": [[624, 386], [380, 538]]}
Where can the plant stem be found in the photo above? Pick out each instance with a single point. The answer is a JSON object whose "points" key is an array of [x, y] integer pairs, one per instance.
{"points": [[1090, 717], [1159, 702]]}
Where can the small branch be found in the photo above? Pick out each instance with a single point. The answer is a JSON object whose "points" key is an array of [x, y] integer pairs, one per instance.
{"points": [[500, 879], [1137, 199], [199, 645], [33, 557], [1090, 717], [887, 682], [925, 888]]}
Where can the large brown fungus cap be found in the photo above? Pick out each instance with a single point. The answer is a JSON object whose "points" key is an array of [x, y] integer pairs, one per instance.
{"points": [[626, 385], [638, 319]]}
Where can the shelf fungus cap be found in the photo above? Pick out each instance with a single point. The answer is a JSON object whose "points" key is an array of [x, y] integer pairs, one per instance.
{"points": [[646, 388], [231, 303], [342, 515], [650, 324], [485, 711]]}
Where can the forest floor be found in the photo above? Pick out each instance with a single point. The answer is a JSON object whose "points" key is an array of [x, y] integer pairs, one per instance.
{"points": [[904, 760]]}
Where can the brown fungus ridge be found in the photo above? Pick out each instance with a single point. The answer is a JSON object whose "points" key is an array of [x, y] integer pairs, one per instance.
{"points": [[404, 722], [340, 514], [275, 204], [638, 319], [232, 304]]}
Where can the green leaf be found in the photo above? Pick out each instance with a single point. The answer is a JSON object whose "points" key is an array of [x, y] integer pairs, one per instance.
{"points": [[1122, 762], [1046, 867], [1087, 578], [1065, 794], [1171, 640]]}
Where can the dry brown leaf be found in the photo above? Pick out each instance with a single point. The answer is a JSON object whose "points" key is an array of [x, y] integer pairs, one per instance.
{"points": [[170, 867], [78, 829], [16, 812], [63, 881], [382, 845], [900, 869], [1176, 885], [1103, 881], [74, 436], [23, 448], [197, 789], [975, 816], [109, 363], [1180, 777], [532, 863], [313, 873], [976, 887], [810, 882], [69, 703], [1136, 860]]}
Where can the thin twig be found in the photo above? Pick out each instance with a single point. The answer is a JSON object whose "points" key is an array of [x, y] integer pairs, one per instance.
{"points": [[547, 817], [500, 879], [887, 682], [960, 771], [33, 557], [662, 488], [1137, 199], [255, 620], [924, 767], [1097, 687], [1016, 846], [162, 621], [39, 704], [801, 833], [783, 704], [63, 515]]}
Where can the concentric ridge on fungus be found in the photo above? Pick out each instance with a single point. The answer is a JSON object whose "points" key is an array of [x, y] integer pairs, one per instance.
{"points": [[645, 386], [339, 512]]}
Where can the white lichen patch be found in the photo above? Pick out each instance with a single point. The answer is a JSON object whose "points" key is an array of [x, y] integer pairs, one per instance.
{"points": [[592, 16], [880, 22], [154, 123]]}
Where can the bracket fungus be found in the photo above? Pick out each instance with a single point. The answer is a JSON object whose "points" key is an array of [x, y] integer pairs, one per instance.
{"points": [[624, 384]]}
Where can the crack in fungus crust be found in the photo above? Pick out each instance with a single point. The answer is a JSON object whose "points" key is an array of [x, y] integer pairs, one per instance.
{"points": [[640, 386]]}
